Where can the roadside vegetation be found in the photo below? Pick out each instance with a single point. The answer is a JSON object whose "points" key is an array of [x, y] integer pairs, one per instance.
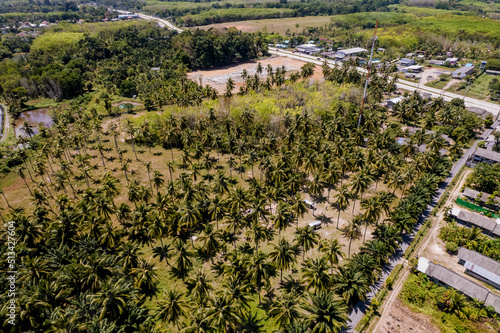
{"points": [[450, 310]]}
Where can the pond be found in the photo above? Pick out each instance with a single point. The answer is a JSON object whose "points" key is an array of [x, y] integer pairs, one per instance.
{"points": [[33, 117], [126, 106]]}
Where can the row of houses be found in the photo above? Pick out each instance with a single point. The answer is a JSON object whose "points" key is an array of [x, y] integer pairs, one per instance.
{"points": [[467, 218], [449, 278]]}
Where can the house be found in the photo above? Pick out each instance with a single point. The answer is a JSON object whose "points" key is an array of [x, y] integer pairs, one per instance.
{"points": [[436, 62], [44, 24], [155, 68], [328, 54], [341, 54], [281, 46], [393, 101], [451, 61], [479, 112], [462, 72], [483, 155], [480, 266], [482, 198], [489, 71], [489, 226], [308, 49], [413, 69], [412, 130], [467, 287], [406, 62]]}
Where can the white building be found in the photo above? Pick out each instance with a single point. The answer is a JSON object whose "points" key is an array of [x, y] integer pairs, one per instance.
{"points": [[308, 49]]}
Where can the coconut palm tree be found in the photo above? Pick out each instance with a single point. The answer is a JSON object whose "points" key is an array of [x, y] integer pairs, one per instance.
{"points": [[260, 271], [112, 300], [315, 274], [372, 212], [285, 310], [326, 314], [283, 256], [352, 231], [172, 308], [157, 180], [306, 238], [342, 200], [351, 285], [222, 313], [199, 286], [332, 251]]}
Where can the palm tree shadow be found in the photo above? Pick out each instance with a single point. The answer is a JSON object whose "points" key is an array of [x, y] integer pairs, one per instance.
{"points": [[318, 198], [324, 219]]}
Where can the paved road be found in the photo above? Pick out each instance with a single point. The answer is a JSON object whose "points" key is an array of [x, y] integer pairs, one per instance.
{"points": [[403, 84], [163, 23], [359, 310]]}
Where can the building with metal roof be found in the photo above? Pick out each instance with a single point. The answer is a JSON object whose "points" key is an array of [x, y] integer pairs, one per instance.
{"points": [[489, 226], [480, 266], [341, 54], [483, 155], [482, 197]]}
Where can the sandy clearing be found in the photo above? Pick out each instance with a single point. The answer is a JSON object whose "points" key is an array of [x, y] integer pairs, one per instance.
{"points": [[217, 77]]}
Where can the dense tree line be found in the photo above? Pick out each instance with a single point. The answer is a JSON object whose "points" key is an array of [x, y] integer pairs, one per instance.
{"points": [[294, 9], [78, 7], [119, 60]]}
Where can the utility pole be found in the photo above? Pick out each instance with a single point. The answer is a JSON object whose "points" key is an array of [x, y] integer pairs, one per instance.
{"points": [[466, 88], [367, 75]]}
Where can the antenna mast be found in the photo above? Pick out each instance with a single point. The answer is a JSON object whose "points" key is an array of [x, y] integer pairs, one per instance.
{"points": [[367, 75]]}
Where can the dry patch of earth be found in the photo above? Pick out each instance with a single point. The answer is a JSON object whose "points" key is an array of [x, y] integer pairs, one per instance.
{"points": [[400, 319], [218, 77]]}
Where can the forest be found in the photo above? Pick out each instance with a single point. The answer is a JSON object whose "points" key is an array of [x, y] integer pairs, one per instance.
{"points": [[65, 65]]}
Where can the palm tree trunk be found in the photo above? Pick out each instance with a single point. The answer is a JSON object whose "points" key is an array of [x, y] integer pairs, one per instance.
{"points": [[50, 165], [29, 189], [29, 172], [349, 250], [354, 205], [338, 218], [7, 201]]}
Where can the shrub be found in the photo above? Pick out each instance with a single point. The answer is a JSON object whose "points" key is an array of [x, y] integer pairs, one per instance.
{"points": [[481, 144], [389, 282], [488, 121], [451, 247]]}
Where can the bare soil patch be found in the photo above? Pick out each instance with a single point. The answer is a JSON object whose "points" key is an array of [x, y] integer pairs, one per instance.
{"points": [[218, 77], [400, 319]]}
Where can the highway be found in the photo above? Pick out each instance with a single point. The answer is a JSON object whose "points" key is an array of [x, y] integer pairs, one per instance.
{"points": [[161, 22], [402, 84]]}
